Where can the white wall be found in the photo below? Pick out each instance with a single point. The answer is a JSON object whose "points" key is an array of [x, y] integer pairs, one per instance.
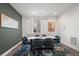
{"points": [[44, 26], [27, 25], [69, 27]]}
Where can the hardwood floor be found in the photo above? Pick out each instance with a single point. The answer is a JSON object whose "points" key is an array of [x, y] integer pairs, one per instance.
{"points": [[73, 52], [14, 50]]}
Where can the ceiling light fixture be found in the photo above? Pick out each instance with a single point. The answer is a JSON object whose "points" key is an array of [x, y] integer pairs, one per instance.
{"points": [[34, 12], [55, 13]]}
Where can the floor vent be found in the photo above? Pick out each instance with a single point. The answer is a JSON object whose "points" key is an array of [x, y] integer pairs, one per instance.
{"points": [[74, 41]]}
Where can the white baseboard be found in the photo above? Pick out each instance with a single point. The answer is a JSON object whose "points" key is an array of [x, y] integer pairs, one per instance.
{"points": [[8, 51]]}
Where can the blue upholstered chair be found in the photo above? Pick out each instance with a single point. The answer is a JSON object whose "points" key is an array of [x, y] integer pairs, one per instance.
{"points": [[25, 49]]}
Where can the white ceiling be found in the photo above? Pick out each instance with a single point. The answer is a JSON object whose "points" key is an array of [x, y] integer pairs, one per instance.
{"points": [[42, 9]]}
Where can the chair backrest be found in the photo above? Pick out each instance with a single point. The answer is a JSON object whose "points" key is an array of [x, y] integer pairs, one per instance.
{"points": [[37, 35], [49, 43], [43, 35], [25, 40], [37, 42], [58, 39]]}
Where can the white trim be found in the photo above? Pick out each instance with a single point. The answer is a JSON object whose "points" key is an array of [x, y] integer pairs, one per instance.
{"points": [[8, 51]]}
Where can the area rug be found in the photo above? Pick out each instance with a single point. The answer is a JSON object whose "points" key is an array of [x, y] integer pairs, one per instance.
{"points": [[58, 51]]}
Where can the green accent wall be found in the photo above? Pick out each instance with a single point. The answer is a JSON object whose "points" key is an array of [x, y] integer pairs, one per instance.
{"points": [[8, 36]]}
